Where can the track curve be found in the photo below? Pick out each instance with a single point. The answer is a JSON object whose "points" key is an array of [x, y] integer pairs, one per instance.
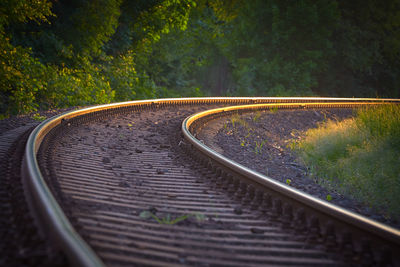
{"points": [[378, 234], [109, 179]]}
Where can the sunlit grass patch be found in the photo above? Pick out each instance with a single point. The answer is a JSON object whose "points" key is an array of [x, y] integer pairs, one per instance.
{"points": [[359, 156], [236, 119], [38, 117]]}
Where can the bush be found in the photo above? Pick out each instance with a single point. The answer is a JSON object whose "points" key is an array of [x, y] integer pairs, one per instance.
{"points": [[75, 87], [21, 77]]}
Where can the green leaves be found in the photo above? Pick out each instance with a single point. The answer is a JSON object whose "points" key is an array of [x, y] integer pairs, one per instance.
{"points": [[92, 25], [23, 11], [91, 52], [258, 146]]}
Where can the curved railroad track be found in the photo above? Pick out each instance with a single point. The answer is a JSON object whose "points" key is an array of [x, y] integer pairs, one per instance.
{"points": [[129, 184]]}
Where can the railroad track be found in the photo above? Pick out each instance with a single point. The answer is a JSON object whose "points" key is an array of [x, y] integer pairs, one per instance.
{"points": [[129, 184]]}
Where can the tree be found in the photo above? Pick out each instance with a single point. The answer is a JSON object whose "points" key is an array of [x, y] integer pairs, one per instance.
{"points": [[73, 58], [20, 74], [367, 43]]}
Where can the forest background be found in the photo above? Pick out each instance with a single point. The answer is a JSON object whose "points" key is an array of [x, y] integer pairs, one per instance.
{"points": [[62, 53]]}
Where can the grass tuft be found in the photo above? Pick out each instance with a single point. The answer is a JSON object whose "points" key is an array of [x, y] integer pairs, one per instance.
{"points": [[37, 117], [358, 156], [237, 120]]}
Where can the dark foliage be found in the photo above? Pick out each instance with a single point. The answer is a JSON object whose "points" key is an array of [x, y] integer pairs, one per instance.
{"points": [[63, 53]]}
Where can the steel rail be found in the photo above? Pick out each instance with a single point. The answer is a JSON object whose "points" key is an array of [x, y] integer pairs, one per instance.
{"points": [[331, 212], [52, 220]]}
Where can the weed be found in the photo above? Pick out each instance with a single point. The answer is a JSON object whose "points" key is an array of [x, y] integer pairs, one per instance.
{"points": [[243, 142], [258, 147], [288, 181], [328, 197], [37, 117], [235, 119], [248, 134], [274, 109], [257, 116], [168, 219], [359, 156]]}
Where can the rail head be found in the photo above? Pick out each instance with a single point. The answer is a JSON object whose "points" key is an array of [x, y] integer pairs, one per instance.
{"points": [[49, 211], [343, 216]]}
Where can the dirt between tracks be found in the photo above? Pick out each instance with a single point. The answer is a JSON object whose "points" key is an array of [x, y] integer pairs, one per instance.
{"points": [[260, 142]]}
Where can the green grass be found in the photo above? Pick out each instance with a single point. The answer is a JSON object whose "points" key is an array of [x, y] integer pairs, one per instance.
{"points": [[258, 146], [237, 120], [358, 156], [274, 109], [37, 117], [257, 116]]}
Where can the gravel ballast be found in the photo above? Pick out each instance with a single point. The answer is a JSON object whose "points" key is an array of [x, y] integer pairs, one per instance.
{"points": [[260, 141]]}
